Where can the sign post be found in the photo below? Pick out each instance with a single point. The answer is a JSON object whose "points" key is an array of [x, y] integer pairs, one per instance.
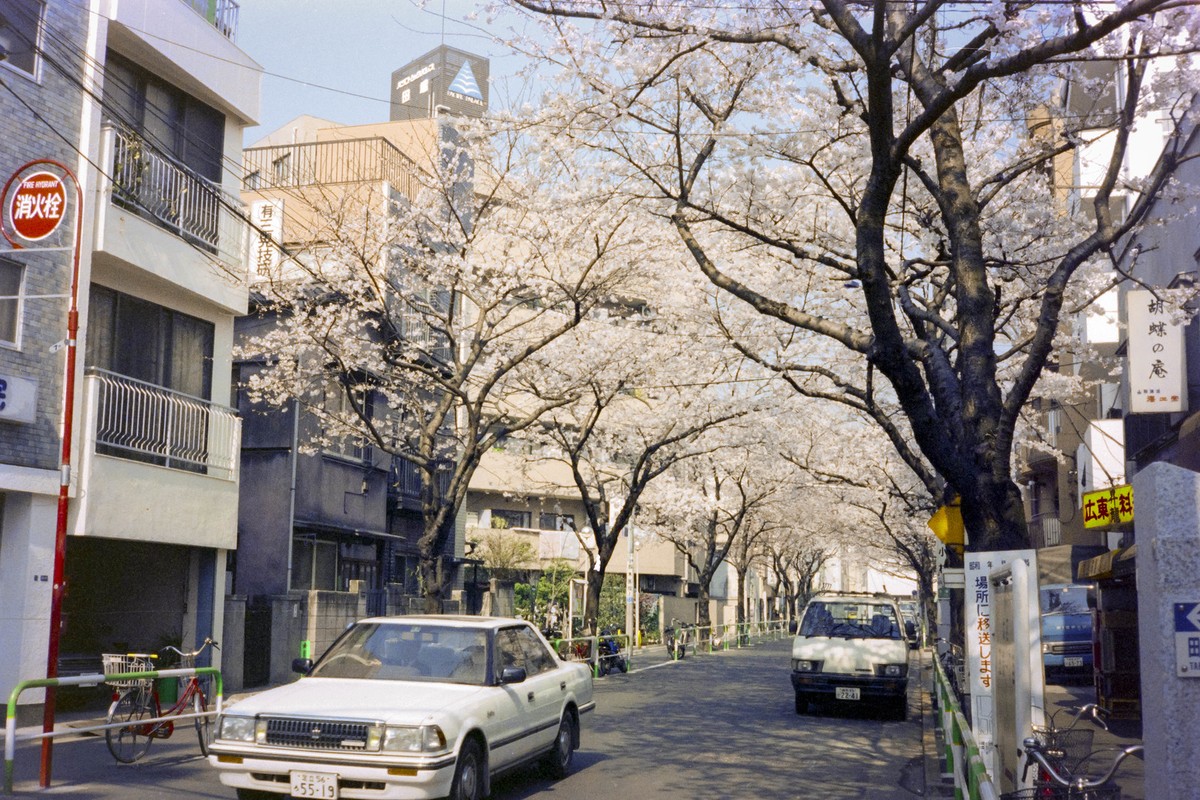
{"points": [[35, 204]]}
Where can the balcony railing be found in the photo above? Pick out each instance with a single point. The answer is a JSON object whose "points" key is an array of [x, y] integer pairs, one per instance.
{"points": [[329, 163], [222, 14], [153, 186], [1045, 530], [144, 422]]}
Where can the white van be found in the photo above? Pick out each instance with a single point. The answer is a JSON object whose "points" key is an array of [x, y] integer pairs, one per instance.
{"points": [[851, 647]]}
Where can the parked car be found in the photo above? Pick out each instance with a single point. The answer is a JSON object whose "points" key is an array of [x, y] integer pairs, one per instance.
{"points": [[850, 647], [1067, 631], [410, 707]]}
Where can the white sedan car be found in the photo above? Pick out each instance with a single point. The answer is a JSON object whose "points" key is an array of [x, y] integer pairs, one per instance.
{"points": [[408, 707]]}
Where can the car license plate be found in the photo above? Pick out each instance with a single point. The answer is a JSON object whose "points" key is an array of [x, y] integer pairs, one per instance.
{"points": [[846, 693], [321, 785], [1073, 661]]}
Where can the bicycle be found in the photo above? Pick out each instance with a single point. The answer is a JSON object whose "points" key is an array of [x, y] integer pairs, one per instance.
{"points": [[1061, 784], [136, 701]]}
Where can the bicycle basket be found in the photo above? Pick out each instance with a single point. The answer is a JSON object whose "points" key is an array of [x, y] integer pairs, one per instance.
{"points": [[1075, 744], [115, 663], [1064, 793]]}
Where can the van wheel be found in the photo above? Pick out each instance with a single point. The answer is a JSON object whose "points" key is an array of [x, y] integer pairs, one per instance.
{"points": [[899, 708], [801, 703]]}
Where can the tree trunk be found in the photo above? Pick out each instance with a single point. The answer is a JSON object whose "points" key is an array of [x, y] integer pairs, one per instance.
{"points": [[703, 618]]}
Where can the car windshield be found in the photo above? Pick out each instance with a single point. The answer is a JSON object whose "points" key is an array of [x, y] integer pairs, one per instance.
{"points": [[850, 619], [405, 652], [1065, 599]]}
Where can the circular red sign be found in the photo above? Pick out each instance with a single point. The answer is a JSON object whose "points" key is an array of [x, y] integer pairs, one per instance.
{"points": [[38, 206]]}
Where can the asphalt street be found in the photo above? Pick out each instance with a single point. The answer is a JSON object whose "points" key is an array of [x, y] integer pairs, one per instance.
{"points": [[711, 726]]}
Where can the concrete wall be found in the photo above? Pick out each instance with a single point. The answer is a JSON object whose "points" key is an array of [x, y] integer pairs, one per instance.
{"points": [[1168, 576]]}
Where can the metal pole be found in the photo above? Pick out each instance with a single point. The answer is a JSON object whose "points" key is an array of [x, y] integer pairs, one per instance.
{"points": [[64, 483], [629, 587]]}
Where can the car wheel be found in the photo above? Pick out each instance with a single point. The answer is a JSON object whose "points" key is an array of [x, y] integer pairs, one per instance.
{"points": [[558, 760], [468, 774], [801, 703], [900, 708]]}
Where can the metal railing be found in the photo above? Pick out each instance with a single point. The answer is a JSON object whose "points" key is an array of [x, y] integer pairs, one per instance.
{"points": [[329, 163], [222, 14], [144, 422], [171, 195], [10, 720], [971, 778]]}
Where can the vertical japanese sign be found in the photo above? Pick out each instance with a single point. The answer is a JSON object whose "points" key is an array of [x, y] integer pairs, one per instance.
{"points": [[267, 217], [1156, 356], [978, 621]]}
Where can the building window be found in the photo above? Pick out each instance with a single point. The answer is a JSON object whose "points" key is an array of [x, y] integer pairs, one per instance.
{"points": [[556, 522], [511, 519], [149, 342], [20, 29], [281, 170], [172, 121], [337, 405], [12, 282]]}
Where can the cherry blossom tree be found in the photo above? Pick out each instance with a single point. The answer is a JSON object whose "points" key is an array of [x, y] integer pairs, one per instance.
{"points": [[863, 177], [422, 315]]}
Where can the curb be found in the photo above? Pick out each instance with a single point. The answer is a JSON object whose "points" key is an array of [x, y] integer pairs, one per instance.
{"points": [[937, 783]]}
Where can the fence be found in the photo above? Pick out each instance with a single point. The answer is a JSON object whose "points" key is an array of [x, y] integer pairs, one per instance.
{"points": [[10, 721], [971, 778]]}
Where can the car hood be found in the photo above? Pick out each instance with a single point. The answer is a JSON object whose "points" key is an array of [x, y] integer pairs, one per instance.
{"points": [[345, 698]]}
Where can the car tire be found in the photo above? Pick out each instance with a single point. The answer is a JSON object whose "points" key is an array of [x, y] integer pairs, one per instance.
{"points": [[558, 760], [469, 772], [899, 708], [801, 703]]}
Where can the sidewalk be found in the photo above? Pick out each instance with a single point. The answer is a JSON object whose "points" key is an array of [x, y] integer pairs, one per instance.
{"points": [[1106, 744]]}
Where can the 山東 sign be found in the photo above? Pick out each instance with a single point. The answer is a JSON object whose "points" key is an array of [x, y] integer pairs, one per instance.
{"points": [[1107, 507], [37, 206]]}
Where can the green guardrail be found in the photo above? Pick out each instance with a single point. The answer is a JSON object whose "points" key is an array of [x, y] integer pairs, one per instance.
{"points": [[971, 778], [10, 720]]}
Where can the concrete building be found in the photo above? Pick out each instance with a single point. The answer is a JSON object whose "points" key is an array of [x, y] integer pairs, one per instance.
{"points": [[145, 101]]}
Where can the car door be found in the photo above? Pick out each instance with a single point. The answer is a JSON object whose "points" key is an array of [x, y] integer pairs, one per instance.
{"points": [[546, 687], [516, 735]]}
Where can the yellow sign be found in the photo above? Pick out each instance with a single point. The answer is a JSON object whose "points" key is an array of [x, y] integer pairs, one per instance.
{"points": [[1108, 507], [947, 524]]}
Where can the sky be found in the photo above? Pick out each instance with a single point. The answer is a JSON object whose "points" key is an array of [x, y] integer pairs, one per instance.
{"points": [[352, 47]]}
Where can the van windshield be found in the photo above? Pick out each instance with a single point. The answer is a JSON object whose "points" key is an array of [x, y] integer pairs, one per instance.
{"points": [[850, 620], [1065, 599]]}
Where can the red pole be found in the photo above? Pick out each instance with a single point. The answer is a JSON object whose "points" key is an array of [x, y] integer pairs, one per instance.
{"points": [[64, 484]]}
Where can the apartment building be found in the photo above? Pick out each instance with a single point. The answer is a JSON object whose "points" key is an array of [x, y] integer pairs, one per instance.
{"points": [[144, 102]]}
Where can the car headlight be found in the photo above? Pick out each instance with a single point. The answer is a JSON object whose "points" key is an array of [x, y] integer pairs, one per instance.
{"points": [[406, 739], [805, 665], [235, 729], [891, 670]]}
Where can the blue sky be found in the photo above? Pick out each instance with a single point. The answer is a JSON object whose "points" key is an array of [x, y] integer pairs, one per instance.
{"points": [[353, 46]]}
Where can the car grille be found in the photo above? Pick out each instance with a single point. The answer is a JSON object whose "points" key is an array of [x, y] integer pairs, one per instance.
{"points": [[1069, 648], [317, 734]]}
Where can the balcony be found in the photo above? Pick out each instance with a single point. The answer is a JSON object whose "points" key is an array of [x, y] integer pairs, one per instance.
{"points": [[1045, 530], [173, 197], [143, 422], [347, 161], [221, 14]]}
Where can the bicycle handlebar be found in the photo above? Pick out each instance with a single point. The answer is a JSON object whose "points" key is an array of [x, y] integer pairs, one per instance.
{"points": [[1091, 709], [1033, 749], [207, 641]]}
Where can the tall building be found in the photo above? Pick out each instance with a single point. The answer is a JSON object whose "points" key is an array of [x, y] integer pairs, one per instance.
{"points": [[445, 80], [144, 101]]}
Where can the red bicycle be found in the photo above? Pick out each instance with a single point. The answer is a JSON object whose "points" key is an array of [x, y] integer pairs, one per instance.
{"points": [[136, 702]]}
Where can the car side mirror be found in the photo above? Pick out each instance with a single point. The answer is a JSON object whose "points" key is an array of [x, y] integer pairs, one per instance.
{"points": [[512, 675], [302, 665], [910, 629]]}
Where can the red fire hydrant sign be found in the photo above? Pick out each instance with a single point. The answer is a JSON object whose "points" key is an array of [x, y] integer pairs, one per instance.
{"points": [[38, 206]]}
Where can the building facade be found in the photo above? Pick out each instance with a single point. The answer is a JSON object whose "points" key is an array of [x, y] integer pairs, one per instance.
{"points": [[144, 102]]}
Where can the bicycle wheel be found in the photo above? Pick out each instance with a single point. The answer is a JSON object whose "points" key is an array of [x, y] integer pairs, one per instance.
{"points": [[130, 742], [203, 724]]}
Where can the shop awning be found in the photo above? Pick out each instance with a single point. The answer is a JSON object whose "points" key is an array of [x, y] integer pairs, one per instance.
{"points": [[1107, 564]]}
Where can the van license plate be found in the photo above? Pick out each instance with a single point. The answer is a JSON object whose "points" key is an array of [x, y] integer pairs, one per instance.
{"points": [[1073, 661], [846, 693], [319, 785]]}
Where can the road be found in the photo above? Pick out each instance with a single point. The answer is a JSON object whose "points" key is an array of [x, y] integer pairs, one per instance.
{"points": [[716, 726]]}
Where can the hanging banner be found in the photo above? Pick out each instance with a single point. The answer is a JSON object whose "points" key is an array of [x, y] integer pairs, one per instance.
{"points": [[1157, 370]]}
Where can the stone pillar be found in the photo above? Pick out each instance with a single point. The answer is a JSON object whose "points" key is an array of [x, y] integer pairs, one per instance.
{"points": [[1167, 512]]}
